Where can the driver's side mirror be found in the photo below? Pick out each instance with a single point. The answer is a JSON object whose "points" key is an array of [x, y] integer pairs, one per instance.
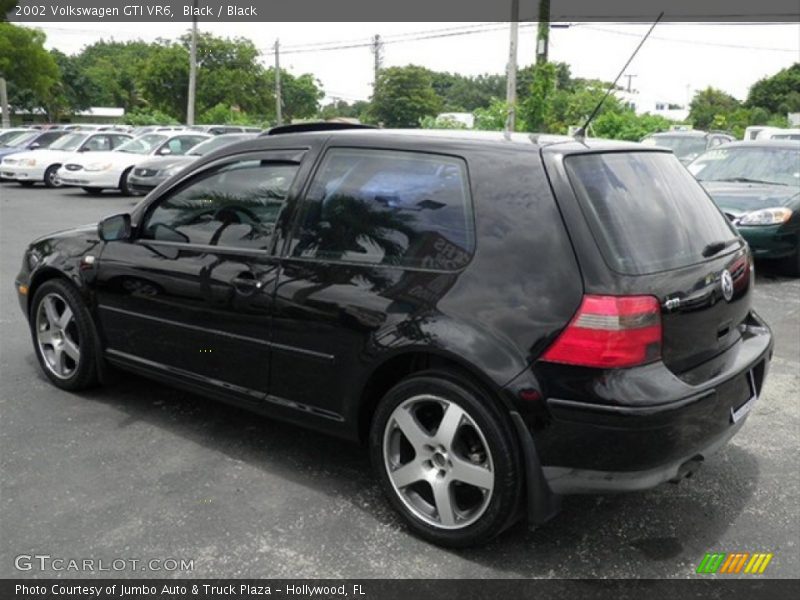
{"points": [[35, 145], [165, 151], [85, 149], [115, 228]]}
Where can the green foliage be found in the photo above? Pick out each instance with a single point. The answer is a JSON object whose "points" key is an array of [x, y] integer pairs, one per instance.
{"points": [[301, 95], [460, 93], [343, 109], [224, 114], [779, 93], [494, 117], [164, 79], [403, 96], [627, 125], [537, 108], [709, 107], [142, 116], [430, 122], [31, 73]]}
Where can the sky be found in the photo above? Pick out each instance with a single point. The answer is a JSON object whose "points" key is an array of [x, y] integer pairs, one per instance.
{"points": [[678, 59]]}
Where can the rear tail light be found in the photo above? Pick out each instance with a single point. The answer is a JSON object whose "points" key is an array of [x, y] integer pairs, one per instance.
{"points": [[610, 332]]}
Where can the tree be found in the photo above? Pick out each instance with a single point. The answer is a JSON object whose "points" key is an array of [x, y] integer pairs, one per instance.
{"points": [[627, 125], [404, 95], [70, 94], [341, 108], [779, 93], [164, 80], [30, 71], [460, 93], [301, 95], [709, 103]]}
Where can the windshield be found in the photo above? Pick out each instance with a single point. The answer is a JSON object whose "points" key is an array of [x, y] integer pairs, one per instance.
{"points": [[7, 136], [647, 213], [143, 145], [22, 138], [681, 145], [780, 166], [69, 142], [13, 138], [217, 142]]}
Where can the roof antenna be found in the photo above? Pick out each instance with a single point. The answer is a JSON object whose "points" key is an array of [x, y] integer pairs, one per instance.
{"points": [[580, 135]]}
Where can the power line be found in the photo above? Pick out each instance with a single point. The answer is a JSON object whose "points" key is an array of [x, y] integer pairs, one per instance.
{"points": [[693, 42]]}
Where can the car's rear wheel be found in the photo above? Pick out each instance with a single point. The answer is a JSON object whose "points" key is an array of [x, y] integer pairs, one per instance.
{"points": [[51, 178], [64, 336], [447, 459], [94, 191]]}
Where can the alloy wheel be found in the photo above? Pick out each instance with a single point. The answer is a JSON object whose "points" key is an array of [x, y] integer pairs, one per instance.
{"points": [[438, 462], [57, 336]]}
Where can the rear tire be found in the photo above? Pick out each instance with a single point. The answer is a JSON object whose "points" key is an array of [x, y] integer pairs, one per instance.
{"points": [[447, 459], [64, 336], [51, 179], [93, 191]]}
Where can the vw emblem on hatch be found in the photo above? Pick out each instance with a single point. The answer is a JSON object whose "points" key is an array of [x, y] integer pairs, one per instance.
{"points": [[727, 285]]}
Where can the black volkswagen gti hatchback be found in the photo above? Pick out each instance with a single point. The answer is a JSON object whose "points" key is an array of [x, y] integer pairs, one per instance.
{"points": [[501, 320]]}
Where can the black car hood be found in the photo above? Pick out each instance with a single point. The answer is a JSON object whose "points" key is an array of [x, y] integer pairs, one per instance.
{"points": [[738, 198], [86, 233]]}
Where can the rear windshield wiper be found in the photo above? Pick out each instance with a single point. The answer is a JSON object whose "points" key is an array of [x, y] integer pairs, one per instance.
{"points": [[748, 180], [717, 247]]}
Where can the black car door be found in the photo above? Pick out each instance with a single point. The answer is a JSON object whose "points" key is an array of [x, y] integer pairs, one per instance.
{"points": [[190, 295], [380, 237]]}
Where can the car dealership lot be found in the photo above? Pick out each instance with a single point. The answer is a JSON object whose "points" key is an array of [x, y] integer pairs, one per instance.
{"points": [[140, 471]]}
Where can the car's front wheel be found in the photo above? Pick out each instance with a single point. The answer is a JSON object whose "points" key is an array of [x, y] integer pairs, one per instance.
{"points": [[63, 336], [447, 459], [51, 178]]}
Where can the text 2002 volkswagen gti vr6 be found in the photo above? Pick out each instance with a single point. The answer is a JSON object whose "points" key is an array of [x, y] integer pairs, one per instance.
{"points": [[501, 320]]}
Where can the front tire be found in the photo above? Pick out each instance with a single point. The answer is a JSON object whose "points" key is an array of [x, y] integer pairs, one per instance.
{"points": [[447, 459], [124, 186], [64, 336], [51, 178]]}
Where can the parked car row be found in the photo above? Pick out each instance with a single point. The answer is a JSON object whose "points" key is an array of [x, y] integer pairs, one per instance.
{"points": [[101, 160]]}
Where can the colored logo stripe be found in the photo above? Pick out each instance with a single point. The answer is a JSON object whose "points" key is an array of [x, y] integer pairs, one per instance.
{"points": [[734, 562]]}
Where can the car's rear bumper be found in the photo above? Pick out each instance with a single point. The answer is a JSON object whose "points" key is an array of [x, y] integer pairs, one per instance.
{"points": [[655, 425]]}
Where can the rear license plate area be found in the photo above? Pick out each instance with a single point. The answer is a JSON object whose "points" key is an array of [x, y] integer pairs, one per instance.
{"points": [[744, 404]]}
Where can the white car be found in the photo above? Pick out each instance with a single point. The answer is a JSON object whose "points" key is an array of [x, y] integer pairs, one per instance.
{"points": [[109, 170], [41, 165]]}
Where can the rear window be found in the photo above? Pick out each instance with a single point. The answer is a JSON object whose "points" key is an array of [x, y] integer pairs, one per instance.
{"points": [[646, 211]]}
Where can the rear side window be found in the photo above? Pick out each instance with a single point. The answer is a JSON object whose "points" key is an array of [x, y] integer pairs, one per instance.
{"points": [[646, 211], [388, 207]]}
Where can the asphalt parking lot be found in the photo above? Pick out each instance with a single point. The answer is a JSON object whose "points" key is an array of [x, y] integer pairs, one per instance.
{"points": [[140, 471]]}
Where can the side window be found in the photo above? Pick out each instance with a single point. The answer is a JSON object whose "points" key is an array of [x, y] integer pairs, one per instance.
{"points": [[118, 140], [234, 205], [388, 207], [182, 144], [97, 143]]}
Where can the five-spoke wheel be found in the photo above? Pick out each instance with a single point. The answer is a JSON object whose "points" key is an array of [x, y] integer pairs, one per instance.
{"points": [[57, 336], [447, 458], [63, 335]]}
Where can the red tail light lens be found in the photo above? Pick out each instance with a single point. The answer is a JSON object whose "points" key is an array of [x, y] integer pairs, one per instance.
{"points": [[610, 332]]}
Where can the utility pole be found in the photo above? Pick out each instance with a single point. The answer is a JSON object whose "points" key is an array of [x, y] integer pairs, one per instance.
{"points": [[630, 77], [278, 98], [377, 51], [511, 71], [4, 103], [192, 68], [543, 34]]}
